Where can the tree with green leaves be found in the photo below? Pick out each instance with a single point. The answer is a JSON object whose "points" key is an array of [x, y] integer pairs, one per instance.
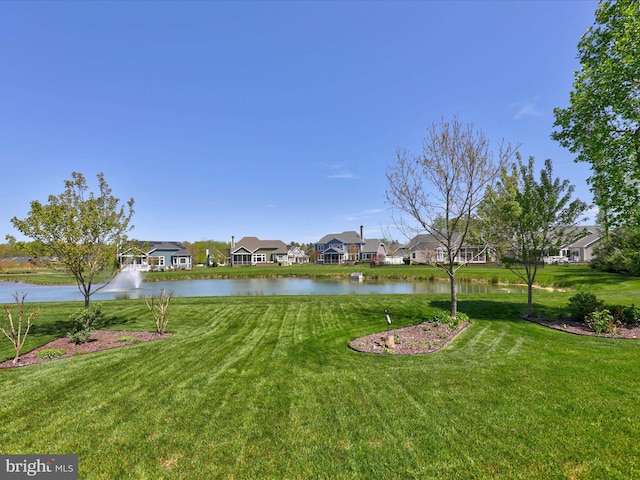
{"points": [[82, 231], [602, 122], [524, 218], [439, 191]]}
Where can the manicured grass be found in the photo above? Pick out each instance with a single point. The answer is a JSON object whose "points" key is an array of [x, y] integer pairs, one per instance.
{"points": [[265, 387]]}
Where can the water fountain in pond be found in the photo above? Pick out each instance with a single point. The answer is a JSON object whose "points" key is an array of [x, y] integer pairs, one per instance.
{"points": [[127, 279]]}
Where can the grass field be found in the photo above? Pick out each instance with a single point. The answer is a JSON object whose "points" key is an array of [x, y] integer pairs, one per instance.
{"points": [[266, 388]]}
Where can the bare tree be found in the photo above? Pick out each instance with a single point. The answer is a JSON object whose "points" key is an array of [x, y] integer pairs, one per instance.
{"points": [[17, 332], [439, 191]]}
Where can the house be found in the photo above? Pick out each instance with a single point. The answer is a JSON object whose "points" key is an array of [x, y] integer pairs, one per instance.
{"points": [[426, 248], [155, 255], [582, 249], [374, 250], [253, 251], [339, 248], [296, 255]]}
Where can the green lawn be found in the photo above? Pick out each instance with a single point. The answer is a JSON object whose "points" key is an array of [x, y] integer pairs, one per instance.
{"points": [[266, 388]]}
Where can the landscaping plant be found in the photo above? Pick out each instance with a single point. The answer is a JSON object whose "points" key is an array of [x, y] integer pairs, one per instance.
{"points": [[601, 321], [582, 304], [159, 308], [83, 322], [14, 332]]}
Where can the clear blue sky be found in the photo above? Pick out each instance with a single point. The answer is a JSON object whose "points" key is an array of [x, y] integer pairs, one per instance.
{"points": [[268, 119]]}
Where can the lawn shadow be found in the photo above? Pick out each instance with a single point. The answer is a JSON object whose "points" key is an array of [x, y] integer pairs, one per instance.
{"points": [[482, 309]]}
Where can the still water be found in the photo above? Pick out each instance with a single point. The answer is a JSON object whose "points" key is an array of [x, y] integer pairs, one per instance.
{"points": [[237, 287]]}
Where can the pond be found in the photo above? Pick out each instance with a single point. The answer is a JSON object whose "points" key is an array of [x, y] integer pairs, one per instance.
{"points": [[240, 287]]}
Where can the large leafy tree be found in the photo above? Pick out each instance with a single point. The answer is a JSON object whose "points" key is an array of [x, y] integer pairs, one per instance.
{"points": [[602, 122], [526, 218], [439, 191], [81, 230]]}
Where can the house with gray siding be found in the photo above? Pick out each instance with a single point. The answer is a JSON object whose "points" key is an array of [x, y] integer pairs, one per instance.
{"points": [[157, 255]]}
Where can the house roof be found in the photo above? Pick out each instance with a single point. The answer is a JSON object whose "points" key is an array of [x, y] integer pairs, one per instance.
{"points": [[592, 235], [372, 245], [253, 244], [177, 248], [349, 237]]}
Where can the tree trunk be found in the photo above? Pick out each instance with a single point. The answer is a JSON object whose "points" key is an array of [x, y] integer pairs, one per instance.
{"points": [[529, 300], [454, 295]]}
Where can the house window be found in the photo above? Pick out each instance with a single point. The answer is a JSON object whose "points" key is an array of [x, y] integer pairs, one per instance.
{"points": [[156, 261], [320, 248], [259, 258]]}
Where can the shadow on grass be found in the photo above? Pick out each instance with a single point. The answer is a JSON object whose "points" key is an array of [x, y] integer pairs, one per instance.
{"points": [[492, 310], [59, 328]]}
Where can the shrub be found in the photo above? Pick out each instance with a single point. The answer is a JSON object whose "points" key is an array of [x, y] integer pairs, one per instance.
{"points": [[582, 304], [82, 323], [627, 315], [601, 321], [441, 316], [51, 353]]}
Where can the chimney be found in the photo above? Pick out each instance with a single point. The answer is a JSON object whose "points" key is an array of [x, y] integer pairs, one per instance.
{"points": [[233, 241], [361, 233]]}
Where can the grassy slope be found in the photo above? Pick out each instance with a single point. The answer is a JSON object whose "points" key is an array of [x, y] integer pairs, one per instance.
{"points": [[265, 387]]}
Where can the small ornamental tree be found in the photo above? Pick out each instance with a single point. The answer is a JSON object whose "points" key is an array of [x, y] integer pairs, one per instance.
{"points": [[81, 230], [525, 218], [159, 308], [17, 332]]}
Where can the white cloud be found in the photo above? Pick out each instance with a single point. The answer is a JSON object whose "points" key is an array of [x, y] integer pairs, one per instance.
{"points": [[527, 108], [346, 175]]}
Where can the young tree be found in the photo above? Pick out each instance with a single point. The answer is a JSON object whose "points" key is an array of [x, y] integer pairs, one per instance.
{"points": [[602, 122], [17, 332], [440, 190], [527, 218], [81, 231]]}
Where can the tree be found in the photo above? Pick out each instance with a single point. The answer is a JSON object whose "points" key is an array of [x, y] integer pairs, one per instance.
{"points": [[82, 232], [602, 122], [440, 190], [527, 218], [17, 332]]}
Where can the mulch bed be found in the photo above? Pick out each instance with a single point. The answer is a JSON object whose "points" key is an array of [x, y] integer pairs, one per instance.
{"points": [[582, 328], [100, 340], [427, 337]]}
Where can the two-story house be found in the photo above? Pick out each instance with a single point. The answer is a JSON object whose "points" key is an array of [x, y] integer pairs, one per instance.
{"points": [[339, 248]]}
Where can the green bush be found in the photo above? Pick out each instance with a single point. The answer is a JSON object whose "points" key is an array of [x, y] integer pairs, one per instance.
{"points": [[627, 315], [83, 322], [582, 304], [601, 321], [443, 317], [51, 353]]}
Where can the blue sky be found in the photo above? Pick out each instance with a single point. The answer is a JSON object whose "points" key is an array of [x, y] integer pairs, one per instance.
{"points": [[269, 119]]}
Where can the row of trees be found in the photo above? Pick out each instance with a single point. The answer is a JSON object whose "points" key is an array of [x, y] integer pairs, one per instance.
{"points": [[458, 187], [460, 192]]}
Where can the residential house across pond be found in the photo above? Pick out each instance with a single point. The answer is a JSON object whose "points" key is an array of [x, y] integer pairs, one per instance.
{"points": [[156, 255]]}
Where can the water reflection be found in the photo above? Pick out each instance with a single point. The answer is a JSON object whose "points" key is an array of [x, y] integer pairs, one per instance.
{"points": [[250, 286]]}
